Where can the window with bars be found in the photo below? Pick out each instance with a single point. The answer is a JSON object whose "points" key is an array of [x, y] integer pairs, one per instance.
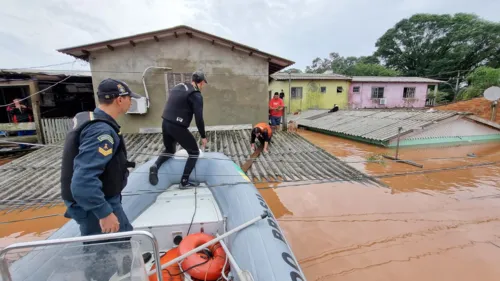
{"points": [[409, 93], [296, 92], [355, 89], [174, 78], [377, 92]]}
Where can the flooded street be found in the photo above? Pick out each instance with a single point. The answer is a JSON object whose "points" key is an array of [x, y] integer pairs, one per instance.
{"points": [[348, 232], [30, 225], [430, 225]]}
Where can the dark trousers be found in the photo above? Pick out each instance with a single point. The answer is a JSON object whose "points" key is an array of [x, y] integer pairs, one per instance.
{"points": [[173, 134], [25, 133], [105, 257]]}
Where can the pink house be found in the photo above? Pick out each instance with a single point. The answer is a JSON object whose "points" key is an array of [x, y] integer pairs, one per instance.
{"points": [[389, 92]]}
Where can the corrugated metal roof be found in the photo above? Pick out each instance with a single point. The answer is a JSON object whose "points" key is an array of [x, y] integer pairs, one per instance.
{"points": [[374, 125], [309, 76], [49, 72], [393, 79], [82, 51], [34, 179]]}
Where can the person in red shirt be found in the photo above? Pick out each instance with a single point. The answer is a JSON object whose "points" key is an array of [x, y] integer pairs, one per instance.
{"points": [[20, 113], [276, 106]]}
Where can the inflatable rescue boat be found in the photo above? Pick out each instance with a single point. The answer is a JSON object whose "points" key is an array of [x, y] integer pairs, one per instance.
{"points": [[221, 230]]}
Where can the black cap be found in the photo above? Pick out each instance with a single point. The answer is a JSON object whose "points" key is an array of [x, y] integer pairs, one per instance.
{"points": [[110, 89], [199, 76]]}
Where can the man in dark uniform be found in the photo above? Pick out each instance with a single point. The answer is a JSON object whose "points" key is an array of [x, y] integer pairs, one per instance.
{"points": [[94, 171], [184, 100]]}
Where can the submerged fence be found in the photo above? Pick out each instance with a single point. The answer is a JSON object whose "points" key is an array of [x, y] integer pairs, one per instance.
{"points": [[55, 129]]}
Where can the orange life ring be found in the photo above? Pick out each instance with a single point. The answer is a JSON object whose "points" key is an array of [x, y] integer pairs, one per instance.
{"points": [[171, 273], [199, 265]]}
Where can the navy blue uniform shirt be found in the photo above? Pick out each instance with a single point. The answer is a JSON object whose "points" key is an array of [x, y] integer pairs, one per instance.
{"points": [[98, 143]]}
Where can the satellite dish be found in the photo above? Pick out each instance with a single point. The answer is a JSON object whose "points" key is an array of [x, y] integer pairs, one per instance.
{"points": [[492, 93]]}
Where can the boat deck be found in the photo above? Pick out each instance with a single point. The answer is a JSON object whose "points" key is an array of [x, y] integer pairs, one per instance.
{"points": [[171, 216]]}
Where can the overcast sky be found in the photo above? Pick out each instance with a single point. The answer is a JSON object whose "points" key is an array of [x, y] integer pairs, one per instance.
{"points": [[299, 30]]}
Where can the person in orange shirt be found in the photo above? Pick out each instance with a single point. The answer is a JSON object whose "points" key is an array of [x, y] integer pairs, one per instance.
{"points": [[263, 133], [276, 106]]}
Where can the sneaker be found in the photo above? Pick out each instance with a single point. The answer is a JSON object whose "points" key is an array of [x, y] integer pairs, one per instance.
{"points": [[188, 185], [153, 175]]}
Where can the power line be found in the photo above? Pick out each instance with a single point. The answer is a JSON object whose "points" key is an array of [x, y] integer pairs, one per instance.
{"points": [[41, 66], [5, 105]]}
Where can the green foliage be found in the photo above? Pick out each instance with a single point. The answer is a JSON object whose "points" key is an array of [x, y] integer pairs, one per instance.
{"points": [[293, 70], [481, 79], [363, 69], [351, 66], [440, 45], [444, 47], [441, 97], [376, 158]]}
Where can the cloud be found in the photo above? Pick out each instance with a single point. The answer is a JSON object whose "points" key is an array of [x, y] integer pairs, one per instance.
{"points": [[299, 30]]}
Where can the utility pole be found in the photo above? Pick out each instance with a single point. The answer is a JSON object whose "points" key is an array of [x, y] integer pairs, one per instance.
{"points": [[456, 87], [289, 90]]}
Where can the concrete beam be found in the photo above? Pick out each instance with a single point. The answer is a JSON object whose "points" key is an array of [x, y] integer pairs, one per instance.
{"points": [[14, 83], [13, 127], [35, 105], [28, 139]]}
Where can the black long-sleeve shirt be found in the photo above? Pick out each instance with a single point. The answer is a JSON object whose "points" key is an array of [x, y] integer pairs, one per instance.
{"points": [[196, 100], [264, 136]]}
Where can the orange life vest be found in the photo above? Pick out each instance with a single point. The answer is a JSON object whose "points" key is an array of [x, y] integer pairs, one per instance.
{"points": [[265, 127]]}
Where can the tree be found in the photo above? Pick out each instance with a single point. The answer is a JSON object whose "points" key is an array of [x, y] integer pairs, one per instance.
{"points": [[320, 65], [351, 66], [439, 46], [364, 69], [294, 70], [481, 79]]}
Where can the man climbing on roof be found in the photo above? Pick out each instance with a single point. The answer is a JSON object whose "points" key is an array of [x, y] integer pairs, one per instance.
{"points": [[94, 172], [263, 133], [20, 113], [184, 101]]}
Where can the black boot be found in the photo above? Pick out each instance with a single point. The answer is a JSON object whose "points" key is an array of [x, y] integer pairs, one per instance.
{"points": [[153, 175], [186, 183]]}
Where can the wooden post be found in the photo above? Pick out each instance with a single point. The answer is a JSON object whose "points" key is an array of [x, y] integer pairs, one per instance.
{"points": [[35, 105], [397, 154], [285, 127], [397, 146], [435, 95], [494, 107], [246, 166]]}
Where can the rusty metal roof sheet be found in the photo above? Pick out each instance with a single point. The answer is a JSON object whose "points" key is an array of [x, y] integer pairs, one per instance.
{"points": [[373, 125], [34, 178]]}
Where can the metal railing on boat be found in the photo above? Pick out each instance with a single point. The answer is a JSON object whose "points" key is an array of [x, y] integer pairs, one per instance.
{"points": [[4, 269]]}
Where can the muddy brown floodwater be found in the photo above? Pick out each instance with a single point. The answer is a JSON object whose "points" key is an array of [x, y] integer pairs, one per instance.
{"points": [[428, 226], [432, 226]]}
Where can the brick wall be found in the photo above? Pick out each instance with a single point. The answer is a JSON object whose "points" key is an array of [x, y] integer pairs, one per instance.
{"points": [[479, 106]]}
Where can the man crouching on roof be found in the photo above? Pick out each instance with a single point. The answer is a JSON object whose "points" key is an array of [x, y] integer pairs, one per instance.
{"points": [[263, 133], [94, 173]]}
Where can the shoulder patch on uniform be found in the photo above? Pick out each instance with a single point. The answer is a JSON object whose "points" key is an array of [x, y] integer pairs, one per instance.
{"points": [[105, 150], [106, 137]]}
